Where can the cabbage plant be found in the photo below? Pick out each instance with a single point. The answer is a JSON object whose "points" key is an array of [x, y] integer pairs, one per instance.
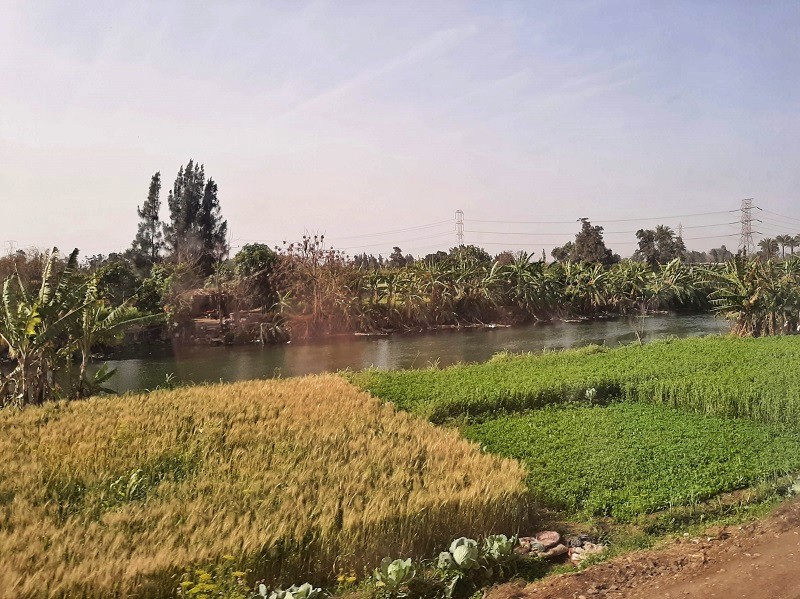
{"points": [[393, 574], [499, 548], [463, 555], [304, 591]]}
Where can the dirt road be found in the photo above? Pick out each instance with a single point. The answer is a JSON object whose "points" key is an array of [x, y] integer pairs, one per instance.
{"points": [[756, 560]]}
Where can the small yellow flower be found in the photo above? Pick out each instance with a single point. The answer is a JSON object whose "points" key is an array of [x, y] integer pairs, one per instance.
{"points": [[351, 579], [340, 578], [205, 577]]}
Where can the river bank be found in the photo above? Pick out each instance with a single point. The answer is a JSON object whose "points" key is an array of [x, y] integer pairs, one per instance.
{"points": [[151, 365]]}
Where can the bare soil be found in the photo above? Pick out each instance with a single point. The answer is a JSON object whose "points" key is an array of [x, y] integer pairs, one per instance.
{"points": [[760, 559]]}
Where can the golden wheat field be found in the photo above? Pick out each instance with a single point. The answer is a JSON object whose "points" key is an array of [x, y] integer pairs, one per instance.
{"points": [[297, 479]]}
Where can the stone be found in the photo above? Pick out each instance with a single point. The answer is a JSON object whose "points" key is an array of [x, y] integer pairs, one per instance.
{"points": [[529, 545], [556, 551], [548, 538]]}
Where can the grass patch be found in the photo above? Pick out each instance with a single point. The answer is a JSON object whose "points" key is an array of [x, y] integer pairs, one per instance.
{"points": [[628, 459], [296, 479], [721, 376]]}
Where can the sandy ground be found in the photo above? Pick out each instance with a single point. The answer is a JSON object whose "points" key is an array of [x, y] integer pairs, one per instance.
{"points": [[756, 560]]}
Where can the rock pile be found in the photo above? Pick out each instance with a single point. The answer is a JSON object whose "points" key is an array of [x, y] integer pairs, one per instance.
{"points": [[549, 544]]}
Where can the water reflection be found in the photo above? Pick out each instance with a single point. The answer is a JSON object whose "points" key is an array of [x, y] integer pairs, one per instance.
{"points": [[208, 364]]}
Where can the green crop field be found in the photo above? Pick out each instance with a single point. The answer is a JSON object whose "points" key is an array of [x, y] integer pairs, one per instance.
{"points": [[722, 376], [633, 458]]}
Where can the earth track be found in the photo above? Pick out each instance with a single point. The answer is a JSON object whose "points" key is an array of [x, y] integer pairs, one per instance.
{"points": [[759, 559]]}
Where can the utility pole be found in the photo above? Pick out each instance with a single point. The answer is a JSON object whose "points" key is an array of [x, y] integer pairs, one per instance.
{"points": [[746, 245], [460, 227], [680, 230]]}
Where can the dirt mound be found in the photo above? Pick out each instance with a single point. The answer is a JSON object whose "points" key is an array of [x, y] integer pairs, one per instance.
{"points": [[755, 560]]}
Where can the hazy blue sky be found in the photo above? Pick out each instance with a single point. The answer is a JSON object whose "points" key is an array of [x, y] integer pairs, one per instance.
{"points": [[355, 118]]}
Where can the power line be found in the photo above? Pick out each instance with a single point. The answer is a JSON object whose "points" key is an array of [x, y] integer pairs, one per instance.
{"points": [[365, 235], [711, 237], [618, 220], [776, 223], [395, 242], [404, 230], [537, 234], [779, 215]]}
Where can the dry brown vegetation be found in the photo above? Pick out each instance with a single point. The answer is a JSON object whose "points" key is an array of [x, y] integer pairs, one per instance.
{"points": [[297, 479]]}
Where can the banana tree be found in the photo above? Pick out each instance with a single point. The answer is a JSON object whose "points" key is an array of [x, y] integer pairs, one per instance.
{"points": [[43, 330], [99, 323], [31, 326], [758, 296], [529, 286]]}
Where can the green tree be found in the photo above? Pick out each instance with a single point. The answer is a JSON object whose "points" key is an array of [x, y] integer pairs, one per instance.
{"points": [[783, 241], [212, 229], [469, 254], [153, 290], [695, 257], [181, 234], [438, 258], [117, 281], [563, 253], [396, 258], [769, 247], [588, 247], [149, 239], [196, 232], [793, 242], [659, 246], [720, 254], [254, 266]]}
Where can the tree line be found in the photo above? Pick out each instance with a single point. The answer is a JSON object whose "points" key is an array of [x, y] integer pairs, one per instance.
{"points": [[57, 312]]}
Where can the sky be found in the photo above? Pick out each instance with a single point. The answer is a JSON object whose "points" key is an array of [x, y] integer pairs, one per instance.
{"points": [[373, 122]]}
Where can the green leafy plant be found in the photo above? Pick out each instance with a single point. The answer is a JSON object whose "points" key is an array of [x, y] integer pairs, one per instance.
{"points": [[631, 458], [463, 556], [303, 591], [499, 549], [394, 575]]}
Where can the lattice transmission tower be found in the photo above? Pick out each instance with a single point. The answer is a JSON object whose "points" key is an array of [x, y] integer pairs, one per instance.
{"points": [[746, 245], [460, 227]]}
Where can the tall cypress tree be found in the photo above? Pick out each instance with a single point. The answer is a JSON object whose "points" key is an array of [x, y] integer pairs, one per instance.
{"points": [[196, 231], [212, 229], [172, 229], [148, 242]]}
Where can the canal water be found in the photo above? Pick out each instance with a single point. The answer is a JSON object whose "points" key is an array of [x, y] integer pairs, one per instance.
{"points": [[212, 364]]}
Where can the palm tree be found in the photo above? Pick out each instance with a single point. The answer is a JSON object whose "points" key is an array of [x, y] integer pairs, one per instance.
{"points": [[793, 242], [783, 240], [769, 247]]}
